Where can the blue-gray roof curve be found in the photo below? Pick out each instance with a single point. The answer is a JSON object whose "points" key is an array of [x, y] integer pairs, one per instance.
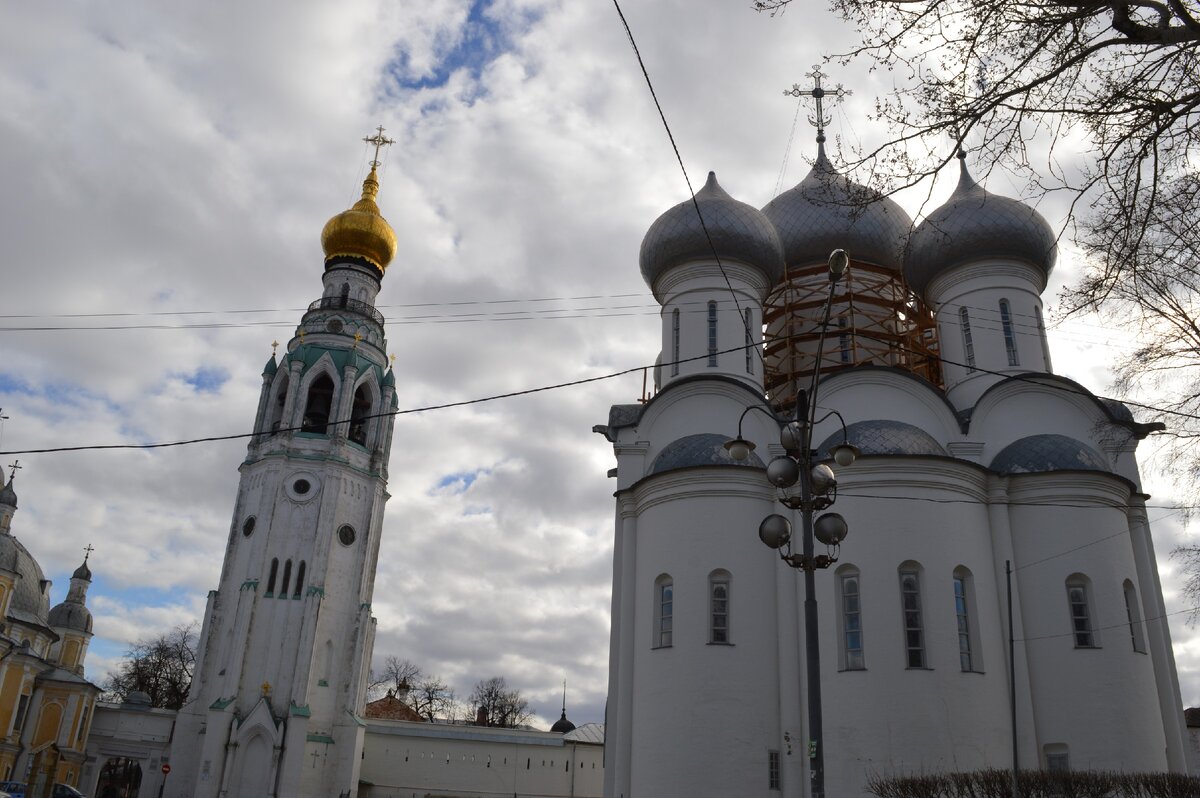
{"points": [[1048, 452], [704, 449], [883, 436]]}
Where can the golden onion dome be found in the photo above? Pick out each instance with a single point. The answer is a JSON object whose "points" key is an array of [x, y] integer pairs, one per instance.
{"points": [[361, 232]]}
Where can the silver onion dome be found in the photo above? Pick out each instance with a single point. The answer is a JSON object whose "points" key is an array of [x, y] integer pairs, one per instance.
{"points": [[738, 232], [975, 225], [828, 211]]}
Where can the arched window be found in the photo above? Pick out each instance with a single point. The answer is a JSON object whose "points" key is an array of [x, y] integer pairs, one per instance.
{"points": [[275, 413], [271, 578], [1041, 327], [345, 296], [664, 611], [850, 612], [318, 406], [675, 342], [287, 579], [1133, 614], [914, 623], [712, 333], [1079, 602], [749, 341], [967, 620], [718, 607], [1010, 340], [964, 321], [360, 414], [299, 580]]}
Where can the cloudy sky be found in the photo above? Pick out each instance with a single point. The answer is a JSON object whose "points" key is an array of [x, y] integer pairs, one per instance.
{"points": [[167, 169]]}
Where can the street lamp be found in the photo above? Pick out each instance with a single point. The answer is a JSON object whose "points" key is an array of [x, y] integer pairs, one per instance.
{"points": [[817, 491]]}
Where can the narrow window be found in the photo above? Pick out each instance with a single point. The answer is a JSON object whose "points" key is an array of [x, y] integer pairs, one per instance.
{"points": [[664, 607], [843, 340], [22, 710], [287, 579], [1134, 616], [299, 580], [345, 297], [317, 409], [712, 333], [271, 578], [1010, 340], [1081, 614], [675, 342], [773, 770], [1041, 327], [749, 341], [964, 321], [718, 592], [360, 414], [914, 632], [852, 636], [83, 719], [964, 623], [1057, 758]]}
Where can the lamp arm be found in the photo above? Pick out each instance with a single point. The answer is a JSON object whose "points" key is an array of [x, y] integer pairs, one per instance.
{"points": [[755, 407], [845, 435]]}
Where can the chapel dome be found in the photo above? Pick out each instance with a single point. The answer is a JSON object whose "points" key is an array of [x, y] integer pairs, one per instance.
{"points": [[1049, 452], [83, 572], [703, 449], [974, 225], [8, 495], [885, 436], [71, 615], [29, 594], [562, 725], [828, 211], [737, 231], [361, 232]]}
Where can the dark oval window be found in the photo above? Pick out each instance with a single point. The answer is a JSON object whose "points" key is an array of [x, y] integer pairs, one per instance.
{"points": [[334, 325], [346, 534], [301, 486], [248, 526]]}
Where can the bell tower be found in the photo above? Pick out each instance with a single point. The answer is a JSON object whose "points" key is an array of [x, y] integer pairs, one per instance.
{"points": [[287, 636]]}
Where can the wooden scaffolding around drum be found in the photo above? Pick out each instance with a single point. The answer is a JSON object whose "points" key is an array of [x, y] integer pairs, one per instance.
{"points": [[874, 319]]}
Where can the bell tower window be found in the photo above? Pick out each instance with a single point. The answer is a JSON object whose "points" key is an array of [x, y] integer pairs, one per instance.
{"points": [[345, 296], [359, 415], [316, 410], [275, 419]]}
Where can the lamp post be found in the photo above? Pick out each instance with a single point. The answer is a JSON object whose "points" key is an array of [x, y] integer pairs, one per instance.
{"points": [[817, 491]]}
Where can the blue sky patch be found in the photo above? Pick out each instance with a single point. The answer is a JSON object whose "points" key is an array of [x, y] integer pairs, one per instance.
{"points": [[460, 482], [207, 380]]}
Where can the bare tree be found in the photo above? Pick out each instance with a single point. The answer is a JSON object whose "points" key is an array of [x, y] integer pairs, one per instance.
{"points": [[397, 675], [432, 698], [159, 666], [493, 702]]}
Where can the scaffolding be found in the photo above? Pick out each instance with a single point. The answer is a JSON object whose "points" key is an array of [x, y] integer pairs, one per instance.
{"points": [[874, 319]]}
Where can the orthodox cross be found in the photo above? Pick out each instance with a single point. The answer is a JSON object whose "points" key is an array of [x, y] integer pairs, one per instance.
{"points": [[87, 551], [274, 347], [357, 337], [818, 93], [392, 361], [14, 468], [379, 140], [266, 688]]}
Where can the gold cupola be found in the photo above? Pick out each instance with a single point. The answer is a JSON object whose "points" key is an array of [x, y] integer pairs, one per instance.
{"points": [[361, 232]]}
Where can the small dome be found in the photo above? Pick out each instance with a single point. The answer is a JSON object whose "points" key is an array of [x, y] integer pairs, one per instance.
{"points": [[1117, 409], [8, 495], [882, 436], [705, 449], [827, 211], [30, 593], [737, 231], [562, 725], [137, 700], [271, 367], [83, 572], [974, 225], [1038, 453], [361, 232], [71, 615]]}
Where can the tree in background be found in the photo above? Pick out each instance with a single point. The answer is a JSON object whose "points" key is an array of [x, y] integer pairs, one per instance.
{"points": [[492, 702], [428, 695], [161, 667], [1098, 101]]}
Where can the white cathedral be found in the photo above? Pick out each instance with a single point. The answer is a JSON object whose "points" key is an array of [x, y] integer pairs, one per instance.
{"points": [[974, 454]]}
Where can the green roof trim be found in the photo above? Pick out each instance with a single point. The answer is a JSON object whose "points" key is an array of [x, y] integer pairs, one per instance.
{"points": [[220, 703], [357, 720], [316, 590], [320, 738], [250, 584], [300, 712], [309, 354]]}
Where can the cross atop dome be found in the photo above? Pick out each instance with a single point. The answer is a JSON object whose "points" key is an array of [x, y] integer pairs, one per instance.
{"points": [[379, 140], [818, 93]]}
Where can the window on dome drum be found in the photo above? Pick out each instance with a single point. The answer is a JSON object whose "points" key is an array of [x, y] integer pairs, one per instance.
{"points": [[675, 342], [749, 341], [712, 333], [964, 321], [1010, 340], [318, 406], [914, 628], [664, 609], [718, 605], [345, 295], [963, 599], [1133, 614], [271, 578], [1079, 602], [1041, 327], [360, 414], [287, 579], [299, 580], [773, 770], [275, 420]]}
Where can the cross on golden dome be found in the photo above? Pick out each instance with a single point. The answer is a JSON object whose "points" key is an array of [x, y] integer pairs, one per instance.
{"points": [[379, 140]]}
